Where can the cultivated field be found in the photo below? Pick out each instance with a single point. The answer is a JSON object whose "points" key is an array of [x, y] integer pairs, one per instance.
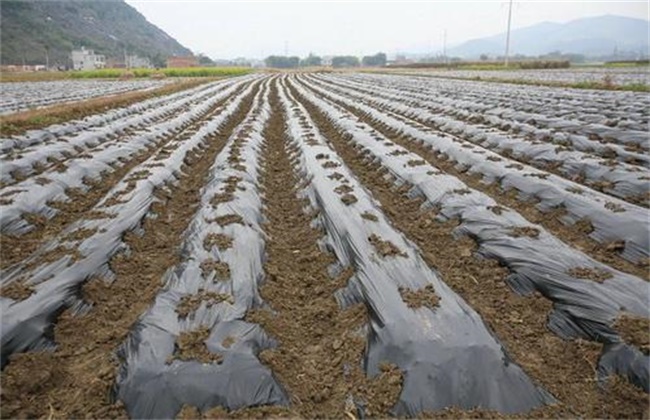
{"points": [[340, 245], [632, 78], [28, 95]]}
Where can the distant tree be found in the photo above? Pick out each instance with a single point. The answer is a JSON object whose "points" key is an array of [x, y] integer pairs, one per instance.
{"points": [[158, 61], [377, 60], [345, 61], [204, 60], [311, 61], [282, 62], [484, 57]]}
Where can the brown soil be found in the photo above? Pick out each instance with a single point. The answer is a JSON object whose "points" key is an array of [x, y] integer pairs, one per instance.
{"points": [[20, 122], [349, 199], [229, 219], [519, 231], [191, 346], [565, 368], [190, 303], [634, 330], [616, 208], [83, 368], [418, 298], [329, 164], [221, 241], [220, 268], [228, 341], [16, 290], [343, 189], [221, 198], [317, 340], [596, 274], [369, 216], [385, 248]]}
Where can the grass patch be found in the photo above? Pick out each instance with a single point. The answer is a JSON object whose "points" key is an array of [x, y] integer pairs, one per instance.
{"points": [[168, 72], [43, 76]]}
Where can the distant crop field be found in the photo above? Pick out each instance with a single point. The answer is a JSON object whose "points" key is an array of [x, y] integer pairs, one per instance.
{"points": [[168, 72], [627, 77], [31, 95], [330, 245]]}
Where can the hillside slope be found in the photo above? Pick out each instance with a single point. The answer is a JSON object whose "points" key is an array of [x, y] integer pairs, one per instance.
{"points": [[29, 29], [589, 36]]}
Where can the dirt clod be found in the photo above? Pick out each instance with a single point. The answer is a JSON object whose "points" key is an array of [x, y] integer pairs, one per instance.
{"points": [[596, 274], [418, 298], [385, 248]]}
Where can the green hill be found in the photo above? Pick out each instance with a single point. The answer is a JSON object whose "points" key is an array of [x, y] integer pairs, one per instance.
{"points": [[29, 29]]}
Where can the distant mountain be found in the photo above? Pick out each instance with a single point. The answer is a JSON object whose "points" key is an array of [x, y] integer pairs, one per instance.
{"points": [[593, 36], [29, 28]]}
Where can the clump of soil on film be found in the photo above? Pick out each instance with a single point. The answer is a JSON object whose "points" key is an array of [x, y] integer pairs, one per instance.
{"points": [[190, 345], [519, 231], [596, 274], [385, 248], [190, 303], [418, 298], [343, 189], [221, 198], [369, 216], [229, 219], [416, 162], [220, 268], [221, 241], [349, 199]]}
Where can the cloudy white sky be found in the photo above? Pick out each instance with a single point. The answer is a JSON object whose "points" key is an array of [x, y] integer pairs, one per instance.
{"points": [[256, 29]]}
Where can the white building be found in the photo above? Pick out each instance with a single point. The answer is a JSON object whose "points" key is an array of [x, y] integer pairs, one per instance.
{"points": [[136, 62], [84, 59]]}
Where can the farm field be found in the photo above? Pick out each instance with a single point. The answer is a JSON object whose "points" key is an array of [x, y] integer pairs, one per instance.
{"points": [[20, 96], [331, 244], [635, 77]]}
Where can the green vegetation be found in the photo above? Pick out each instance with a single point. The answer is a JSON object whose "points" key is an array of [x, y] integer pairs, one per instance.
{"points": [[377, 60], [631, 63], [311, 61], [167, 72], [282, 62], [34, 30], [345, 61]]}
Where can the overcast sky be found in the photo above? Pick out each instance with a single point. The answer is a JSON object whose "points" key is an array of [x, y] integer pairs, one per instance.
{"points": [[256, 29]]}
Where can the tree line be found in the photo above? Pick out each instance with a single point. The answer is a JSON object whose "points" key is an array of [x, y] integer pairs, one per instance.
{"points": [[339, 61]]}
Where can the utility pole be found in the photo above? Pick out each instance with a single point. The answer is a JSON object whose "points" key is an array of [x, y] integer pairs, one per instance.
{"points": [[508, 34], [444, 45], [286, 48]]}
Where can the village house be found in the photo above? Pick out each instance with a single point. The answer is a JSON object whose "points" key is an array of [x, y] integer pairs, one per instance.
{"points": [[137, 62], [182, 61], [84, 59]]}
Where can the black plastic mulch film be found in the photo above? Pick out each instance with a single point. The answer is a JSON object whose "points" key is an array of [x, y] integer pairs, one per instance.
{"points": [[447, 354]]}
